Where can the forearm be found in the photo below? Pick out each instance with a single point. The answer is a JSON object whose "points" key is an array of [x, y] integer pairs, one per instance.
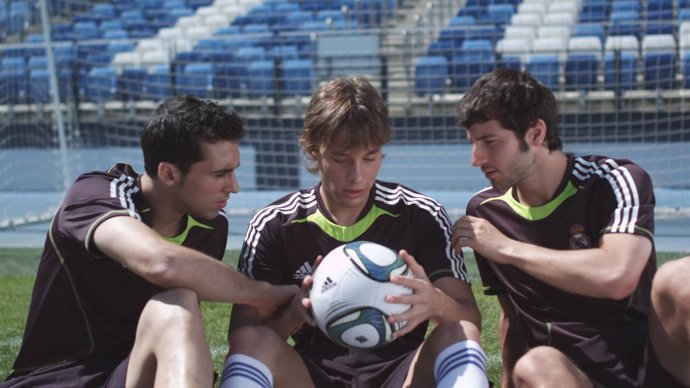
{"points": [[454, 302], [284, 322]]}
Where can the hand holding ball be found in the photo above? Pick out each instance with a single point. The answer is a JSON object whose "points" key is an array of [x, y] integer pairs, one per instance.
{"points": [[349, 290]]}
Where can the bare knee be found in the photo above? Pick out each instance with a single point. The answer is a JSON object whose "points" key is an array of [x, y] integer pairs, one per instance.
{"points": [[671, 289], [258, 342], [171, 310], [545, 366]]}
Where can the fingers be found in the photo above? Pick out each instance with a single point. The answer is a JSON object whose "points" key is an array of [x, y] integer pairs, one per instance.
{"points": [[416, 269]]}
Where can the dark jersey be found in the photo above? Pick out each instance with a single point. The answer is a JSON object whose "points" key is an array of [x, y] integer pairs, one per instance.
{"points": [[85, 304], [598, 195], [284, 239]]}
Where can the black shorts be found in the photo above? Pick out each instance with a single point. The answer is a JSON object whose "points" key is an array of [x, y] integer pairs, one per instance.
{"points": [[621, 358], [328, 374], [104, 371]]}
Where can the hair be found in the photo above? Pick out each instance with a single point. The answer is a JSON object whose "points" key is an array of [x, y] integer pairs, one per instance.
{"points": [[516, 100], [347, 108], [177, 127]]}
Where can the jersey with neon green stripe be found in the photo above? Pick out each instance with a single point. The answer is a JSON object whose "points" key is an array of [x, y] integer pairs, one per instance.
{"points": [[285, 237], [597, 196]]}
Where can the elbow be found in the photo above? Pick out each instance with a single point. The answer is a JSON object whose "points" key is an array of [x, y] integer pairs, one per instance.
{"points": [[162, 268], [620, 286]]}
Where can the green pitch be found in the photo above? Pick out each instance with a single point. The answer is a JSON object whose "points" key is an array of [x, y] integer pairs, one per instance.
{"points": [[18, 268]]}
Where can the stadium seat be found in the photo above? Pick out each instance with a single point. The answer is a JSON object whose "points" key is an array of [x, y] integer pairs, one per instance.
{"points": [[590, 29], [625, 23], [431, 74], [196, 79], [475, 58], [298, 77], [620, 71], [582, 63], [545, 68], [39, 86], [261, 78], [659, 61], [158, 83], [130, 84], [13, 79], [101, 84]]}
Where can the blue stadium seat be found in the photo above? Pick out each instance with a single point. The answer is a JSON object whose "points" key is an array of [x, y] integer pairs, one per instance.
{"points": [[196, 79], [261, 78], [595, 11], [130, 83], [625, 22], [101, 84], [475, 58], [230, 79], [39, 86], [590, 29], [86, 30], [104, 11], [659, 61], [620, 71], [626, 5], [213, 50], [284, 52], [498, 14], [659, 70], [545, 68], [581, 71], [444, 48], [14, 85], [431, 73], [298, 77], [158, 83]]}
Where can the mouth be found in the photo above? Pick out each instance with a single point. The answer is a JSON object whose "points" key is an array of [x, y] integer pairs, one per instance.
{"points": [[222, 204], [489, 172], [353, 193]]}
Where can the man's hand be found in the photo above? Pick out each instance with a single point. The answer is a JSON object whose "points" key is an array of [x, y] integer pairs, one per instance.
{"points": [[423, 301], [274, 297], [480, 235]]}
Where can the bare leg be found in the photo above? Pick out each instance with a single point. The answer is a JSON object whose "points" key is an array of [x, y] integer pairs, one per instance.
{"points": [[265, 345], [546, 367], [170, 349], [669, 319]]}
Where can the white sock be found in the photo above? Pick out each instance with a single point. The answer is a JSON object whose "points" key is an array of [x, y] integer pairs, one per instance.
{"points": [[462, 364], [245, 372]]}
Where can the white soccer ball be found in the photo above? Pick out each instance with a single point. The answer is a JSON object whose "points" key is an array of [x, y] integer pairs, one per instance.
{"points": [[349, 290]]}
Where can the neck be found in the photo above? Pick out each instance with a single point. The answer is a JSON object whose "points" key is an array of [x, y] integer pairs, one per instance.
{"points": [[543, 181], [163, 217]]}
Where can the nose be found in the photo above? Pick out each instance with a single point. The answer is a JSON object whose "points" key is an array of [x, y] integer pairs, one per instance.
{"points": [[231, 184], [477, 157], [354, 172]]}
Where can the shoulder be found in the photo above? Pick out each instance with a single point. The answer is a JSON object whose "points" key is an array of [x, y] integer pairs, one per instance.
{"points": [[480, 197], [389, 193], [620, 174], [292, 205]]}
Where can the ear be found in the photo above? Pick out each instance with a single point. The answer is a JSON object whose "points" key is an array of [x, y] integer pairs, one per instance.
{"points": [[168, 173], [314, 156], [536, 134]]}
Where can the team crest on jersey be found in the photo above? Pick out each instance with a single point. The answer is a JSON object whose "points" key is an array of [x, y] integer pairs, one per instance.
{"points": [[578, 238]]}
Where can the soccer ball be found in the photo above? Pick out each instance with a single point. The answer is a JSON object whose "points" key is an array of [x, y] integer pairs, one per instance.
{"points": [[349, 290]]}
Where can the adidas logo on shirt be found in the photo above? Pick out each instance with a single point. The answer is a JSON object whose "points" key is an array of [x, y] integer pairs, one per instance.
{"points": [[302, 271]]}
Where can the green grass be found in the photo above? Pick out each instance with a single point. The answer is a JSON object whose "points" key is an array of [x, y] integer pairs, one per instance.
{"points": [[18, 267]]}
